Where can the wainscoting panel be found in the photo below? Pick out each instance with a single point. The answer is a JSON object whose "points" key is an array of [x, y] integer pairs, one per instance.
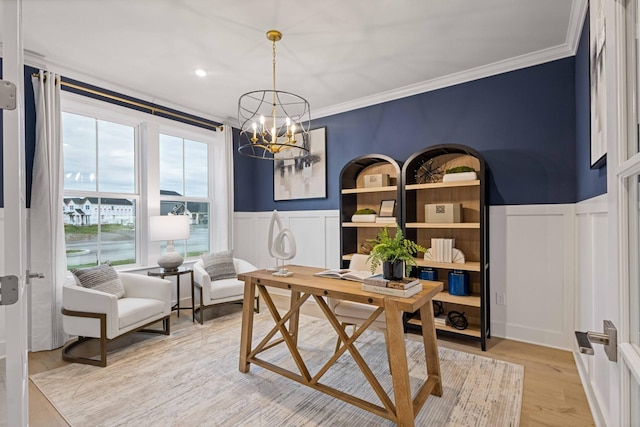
{"points": [[316, 234], [592, 266], [532, 270]]}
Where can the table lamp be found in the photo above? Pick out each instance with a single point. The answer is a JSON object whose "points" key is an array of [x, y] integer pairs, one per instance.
{"points": [[169, 228]]}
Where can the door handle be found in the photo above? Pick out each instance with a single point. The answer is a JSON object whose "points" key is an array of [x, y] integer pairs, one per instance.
{"points": [[31, 275], [608, 338]]}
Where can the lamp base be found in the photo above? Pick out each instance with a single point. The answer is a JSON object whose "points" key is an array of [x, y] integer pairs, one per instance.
{"points": [[170, 261]]}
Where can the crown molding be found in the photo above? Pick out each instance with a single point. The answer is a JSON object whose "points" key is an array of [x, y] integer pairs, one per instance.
{"points": [[567, 49], [39, 61], [576, 22], [512, 64]]}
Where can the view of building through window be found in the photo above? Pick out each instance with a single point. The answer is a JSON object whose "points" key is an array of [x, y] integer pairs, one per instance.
{"points": [[100, 191], [184, 189]]}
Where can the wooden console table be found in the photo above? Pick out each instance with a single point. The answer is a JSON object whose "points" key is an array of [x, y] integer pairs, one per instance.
{"points": [[303, 285]]}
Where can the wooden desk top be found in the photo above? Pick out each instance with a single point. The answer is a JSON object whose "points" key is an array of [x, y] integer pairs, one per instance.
{"points": [[303, 280]]}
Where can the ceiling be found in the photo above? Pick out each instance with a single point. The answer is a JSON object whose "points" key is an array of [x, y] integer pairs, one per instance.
{"points": [[337, 54]]}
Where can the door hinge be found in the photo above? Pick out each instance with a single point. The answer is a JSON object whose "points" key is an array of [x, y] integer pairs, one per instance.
{"points": [[9, 290], [7, 95]]}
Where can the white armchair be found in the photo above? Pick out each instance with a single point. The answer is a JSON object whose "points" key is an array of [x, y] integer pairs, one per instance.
{"points": [[92, 314], [222, 291]]}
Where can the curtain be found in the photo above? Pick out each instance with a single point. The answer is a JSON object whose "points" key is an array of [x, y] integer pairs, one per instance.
{"points": [[47, 246], [222, 209]]}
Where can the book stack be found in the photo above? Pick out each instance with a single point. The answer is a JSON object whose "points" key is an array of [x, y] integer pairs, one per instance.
{"points": [[440, 320], [386, 219], [442, 249], [401, 288]]}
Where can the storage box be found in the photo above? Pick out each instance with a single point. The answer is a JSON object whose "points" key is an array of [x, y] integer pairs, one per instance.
{"points": [[443, 212], [376, 180]]}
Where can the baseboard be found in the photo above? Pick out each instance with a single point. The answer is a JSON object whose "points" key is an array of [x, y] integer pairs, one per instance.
{"points": [[596, 413]]}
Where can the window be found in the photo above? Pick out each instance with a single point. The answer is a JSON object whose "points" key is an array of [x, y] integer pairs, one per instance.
{"points": [[184, 189], [99, 172], [107, 200]]}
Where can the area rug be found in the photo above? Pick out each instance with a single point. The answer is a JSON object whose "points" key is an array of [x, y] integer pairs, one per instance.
{"points": [[191, 378]]}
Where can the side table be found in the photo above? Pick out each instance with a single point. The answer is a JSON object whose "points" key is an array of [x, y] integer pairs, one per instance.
{"points": [[162, 273]]}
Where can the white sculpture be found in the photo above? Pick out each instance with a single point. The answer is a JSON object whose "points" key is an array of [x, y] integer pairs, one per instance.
{"points": [[278, 245]]}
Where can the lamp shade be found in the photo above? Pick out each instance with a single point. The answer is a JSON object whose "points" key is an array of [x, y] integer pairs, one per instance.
{"points": [[168, 227]]}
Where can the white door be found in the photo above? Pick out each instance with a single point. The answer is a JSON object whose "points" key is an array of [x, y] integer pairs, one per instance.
{"points": [[15, 236], [623, 180]]}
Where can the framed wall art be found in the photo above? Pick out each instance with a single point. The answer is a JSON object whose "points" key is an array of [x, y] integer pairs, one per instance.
{"points": [[598, 95], [306, 177]]}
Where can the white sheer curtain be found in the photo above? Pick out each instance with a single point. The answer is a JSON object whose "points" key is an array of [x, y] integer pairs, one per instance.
{"points": [[222, 210], [47, 247]]}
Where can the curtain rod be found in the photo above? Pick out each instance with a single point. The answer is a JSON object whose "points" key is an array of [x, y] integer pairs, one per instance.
{"points": [[153, 110]]}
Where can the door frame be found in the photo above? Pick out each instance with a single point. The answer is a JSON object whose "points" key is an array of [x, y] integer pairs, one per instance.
{"points": [[15, 227], [623, 171]]}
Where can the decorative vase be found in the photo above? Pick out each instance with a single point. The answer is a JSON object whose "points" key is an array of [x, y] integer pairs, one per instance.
{"points": [[393, 270], [459, 283]]}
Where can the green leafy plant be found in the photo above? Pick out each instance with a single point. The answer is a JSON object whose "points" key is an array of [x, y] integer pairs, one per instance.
{"points": [[365, 211], [397, 248], [460, 169]]}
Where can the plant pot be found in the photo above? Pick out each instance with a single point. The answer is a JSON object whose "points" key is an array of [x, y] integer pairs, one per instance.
{"points": [[393, 270]]}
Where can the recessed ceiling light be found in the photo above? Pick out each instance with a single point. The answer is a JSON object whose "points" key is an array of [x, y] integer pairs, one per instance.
{"points": [[200, 72]]}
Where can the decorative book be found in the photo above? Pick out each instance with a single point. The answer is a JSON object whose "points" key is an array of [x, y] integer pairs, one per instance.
{"points": [[344, 273], [404, 293], [379, 280]]}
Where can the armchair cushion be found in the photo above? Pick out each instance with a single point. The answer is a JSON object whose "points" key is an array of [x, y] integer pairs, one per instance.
{"points": [[100, 278], [219, 265]]}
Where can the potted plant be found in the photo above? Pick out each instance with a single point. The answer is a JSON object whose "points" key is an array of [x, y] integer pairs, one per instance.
{"points": [[460, 173], [364, 215], [395, 254]]}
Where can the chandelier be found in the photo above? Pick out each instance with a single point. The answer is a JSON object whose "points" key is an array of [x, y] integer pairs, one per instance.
{"points": [[274, 124]]}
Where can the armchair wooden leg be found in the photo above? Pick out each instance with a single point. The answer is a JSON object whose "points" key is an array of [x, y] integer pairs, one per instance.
{"points": [[102, 361], [102, 317]]}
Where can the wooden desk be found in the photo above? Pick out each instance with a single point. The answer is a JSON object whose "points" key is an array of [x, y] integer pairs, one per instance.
{"points": [[304, 285]]}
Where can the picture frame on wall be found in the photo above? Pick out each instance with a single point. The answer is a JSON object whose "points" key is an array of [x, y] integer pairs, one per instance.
{"points": [[306, 177], [598, 98]]}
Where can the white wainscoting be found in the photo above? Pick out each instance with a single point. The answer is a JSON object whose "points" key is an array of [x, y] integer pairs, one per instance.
{"points": [[532, 265], [592, 258], [317, 236], [531, 259]]}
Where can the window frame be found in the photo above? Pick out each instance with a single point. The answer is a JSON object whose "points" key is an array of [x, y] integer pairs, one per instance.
{"points": [[147, 130]]}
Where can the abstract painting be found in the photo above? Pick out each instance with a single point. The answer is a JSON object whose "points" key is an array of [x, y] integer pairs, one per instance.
{"points": [[305, 177]]}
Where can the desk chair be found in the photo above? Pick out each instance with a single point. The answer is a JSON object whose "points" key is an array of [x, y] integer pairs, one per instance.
{"points": [[355, 313]]}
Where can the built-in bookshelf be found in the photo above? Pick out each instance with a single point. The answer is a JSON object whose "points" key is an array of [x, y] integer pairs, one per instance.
{"points": [[354, 196], [422, 177]]}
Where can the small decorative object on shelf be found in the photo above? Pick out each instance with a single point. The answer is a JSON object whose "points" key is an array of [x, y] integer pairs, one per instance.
{"points": [[457, 257], [376, 180], [364, 215], [365, 248], [428, 274], [393, 250], [457, 320], [460, 173], [459, 283], [443, 212], [426, 173]]}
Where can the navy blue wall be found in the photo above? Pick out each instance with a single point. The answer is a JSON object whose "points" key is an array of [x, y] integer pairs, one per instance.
{"points": [[522, 122], [589, 182]]}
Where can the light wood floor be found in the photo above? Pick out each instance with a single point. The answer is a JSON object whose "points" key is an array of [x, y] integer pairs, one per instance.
{"points": [[553, 394]]}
